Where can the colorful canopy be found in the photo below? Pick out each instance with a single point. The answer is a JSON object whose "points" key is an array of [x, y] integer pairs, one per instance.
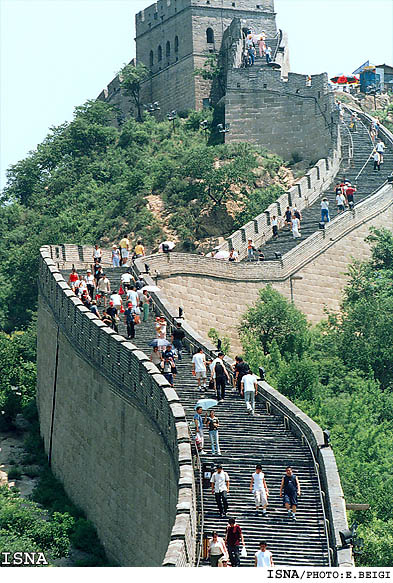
{"points": [[344, 80]]}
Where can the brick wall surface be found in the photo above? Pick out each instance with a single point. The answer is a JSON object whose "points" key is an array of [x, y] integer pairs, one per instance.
{"points": [[113, 429]]}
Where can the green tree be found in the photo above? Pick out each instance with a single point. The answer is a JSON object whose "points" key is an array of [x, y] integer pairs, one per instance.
{"points": [[131, 79], [273, 318]]}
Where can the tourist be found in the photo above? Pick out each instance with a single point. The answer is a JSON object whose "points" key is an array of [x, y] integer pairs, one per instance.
{"points": [[129, 320], [251, 55], [177, 338], [115, 256], [261, 255], [275, 227], [289, 491], [220, 489], [249, 389], [117, 301], [106, 318], [268, 52], [168, 367], [297, 214], [139, 250], [199, 369], [223, 562], [220, 376], [233, 538], [146, 299], [90, 282], [261, 46], [217, 549], [263, 557], [250, 250], [380, 148], [325, 210], [104, 287], [85, 299], [94, 309], [198, 422], [288, 217], [124, 250], [112, 313], [260, 490], [97, 254], [233, 255], [240, 368], [160, 327], [340, 201], [139, 284], [352, 122], [156, 357], [126, 280], [350, 195], [132, 296], [97, 272], [213, 424], [377, 160], [73, 277]]}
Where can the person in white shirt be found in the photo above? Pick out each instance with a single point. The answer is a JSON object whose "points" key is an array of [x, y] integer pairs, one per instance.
{"points": [[325, 211], [260, 490], [263, 557], [275, 227], [126, 280], [249, 389], [220, 489], [132, 296], [90, 282], [217, 549], [116, 299], [199, 368], [104, 287], [97, 254], [380, 147], [340, 201]]}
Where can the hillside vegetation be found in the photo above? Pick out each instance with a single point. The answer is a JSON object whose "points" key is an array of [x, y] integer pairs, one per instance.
{"points": [[341, 374], [90, 182]]}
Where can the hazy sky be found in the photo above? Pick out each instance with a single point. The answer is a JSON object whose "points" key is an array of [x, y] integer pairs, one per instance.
{"points": [[56, 54]]}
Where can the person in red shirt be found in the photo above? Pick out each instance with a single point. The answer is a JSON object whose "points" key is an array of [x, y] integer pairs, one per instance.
{"points": [[350, 192], [233, 538], [73, 278]]}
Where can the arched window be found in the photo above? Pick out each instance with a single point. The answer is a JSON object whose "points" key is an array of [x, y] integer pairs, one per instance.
{"points": [[168, 49], [210, 35], [151, 58], [176, 44], [159, 53]]}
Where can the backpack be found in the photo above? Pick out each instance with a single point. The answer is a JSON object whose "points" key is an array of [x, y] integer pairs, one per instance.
{"points": [[219, 370]]}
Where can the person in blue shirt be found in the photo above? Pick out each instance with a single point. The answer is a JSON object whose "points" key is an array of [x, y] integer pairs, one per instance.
{"points": [[199, 430]]}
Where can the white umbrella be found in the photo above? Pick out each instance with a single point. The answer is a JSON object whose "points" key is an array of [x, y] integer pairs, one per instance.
{"points": [[151, 288], [222, 255], [169, 244]]}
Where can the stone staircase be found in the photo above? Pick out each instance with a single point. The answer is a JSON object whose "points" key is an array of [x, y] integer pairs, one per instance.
{"points": [[260, 62], [246, 441], [367, 183]]}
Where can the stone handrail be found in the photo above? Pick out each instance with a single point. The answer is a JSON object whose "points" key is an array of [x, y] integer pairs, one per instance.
{"points": [[297, 421], [289, 264], [135, 379], [302, 195]]}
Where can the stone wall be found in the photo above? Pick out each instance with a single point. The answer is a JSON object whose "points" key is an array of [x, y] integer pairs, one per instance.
{"points": [[114, 430], [215, 293], [287, 117]]}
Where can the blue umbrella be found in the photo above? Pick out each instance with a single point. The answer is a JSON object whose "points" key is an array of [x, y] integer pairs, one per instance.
{"points": [[206, 403]]}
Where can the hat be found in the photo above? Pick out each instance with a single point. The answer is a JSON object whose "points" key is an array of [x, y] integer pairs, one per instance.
{"points": [[219, 467], [129, 304], [88, 270], [111, 303]]}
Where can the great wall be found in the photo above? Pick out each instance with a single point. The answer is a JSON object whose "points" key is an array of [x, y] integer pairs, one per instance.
{"points": [[119, 437]]}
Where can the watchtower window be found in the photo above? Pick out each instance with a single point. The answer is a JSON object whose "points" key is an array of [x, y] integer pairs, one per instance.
{"points": [[210, 35], [168, 49], [151, 58], [159, 53], [176, 44]]}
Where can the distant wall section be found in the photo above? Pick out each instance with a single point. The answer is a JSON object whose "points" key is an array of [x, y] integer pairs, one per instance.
{"points": [[287, 117]]}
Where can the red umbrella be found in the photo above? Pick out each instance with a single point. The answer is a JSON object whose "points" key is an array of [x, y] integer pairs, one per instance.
{"points": [[344, 80]]}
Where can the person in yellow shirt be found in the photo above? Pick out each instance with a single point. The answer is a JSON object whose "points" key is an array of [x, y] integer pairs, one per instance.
{"points": [[139, 250], [124, 250]]}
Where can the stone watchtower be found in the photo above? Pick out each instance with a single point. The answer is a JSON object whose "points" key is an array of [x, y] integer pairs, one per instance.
{"points": [[174, 37]]}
